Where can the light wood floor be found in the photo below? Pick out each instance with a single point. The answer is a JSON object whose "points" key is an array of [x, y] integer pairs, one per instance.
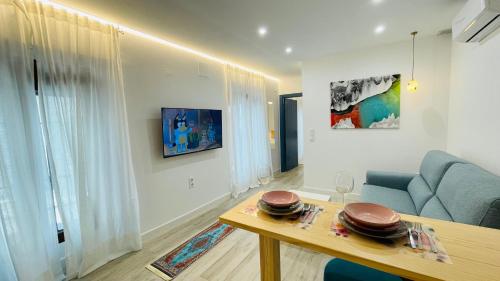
{"points": [[235, 258]]}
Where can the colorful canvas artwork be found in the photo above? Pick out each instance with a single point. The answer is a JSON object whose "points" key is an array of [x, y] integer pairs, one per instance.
{"points": [[366, 103]]}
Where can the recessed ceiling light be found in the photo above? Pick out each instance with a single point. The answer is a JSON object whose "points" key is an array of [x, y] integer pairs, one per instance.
{"points": [[262, 31], [288, 50], [269, 102], [379, 29], [376, 2]]}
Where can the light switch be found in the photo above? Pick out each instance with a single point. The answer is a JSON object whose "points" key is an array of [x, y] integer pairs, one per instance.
{"points": [[312, 135]]}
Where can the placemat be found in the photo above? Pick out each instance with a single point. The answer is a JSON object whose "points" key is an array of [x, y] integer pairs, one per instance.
{"points": [[441, 255]]}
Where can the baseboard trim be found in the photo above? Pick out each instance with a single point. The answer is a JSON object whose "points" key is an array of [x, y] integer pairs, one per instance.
{"points": [[169, 225]]}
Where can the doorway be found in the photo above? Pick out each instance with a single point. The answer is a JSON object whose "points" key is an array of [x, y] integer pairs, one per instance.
{"points": [[291, 131]]}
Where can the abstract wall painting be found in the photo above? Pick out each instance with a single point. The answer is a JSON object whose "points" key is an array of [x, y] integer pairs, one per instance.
{"points": [[366, 103]]}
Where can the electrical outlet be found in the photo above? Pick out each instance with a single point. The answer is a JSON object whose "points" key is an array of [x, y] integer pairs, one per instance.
{"points": [[191, 183]]}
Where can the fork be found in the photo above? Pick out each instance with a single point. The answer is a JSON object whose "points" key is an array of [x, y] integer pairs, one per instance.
{"points": [[304, 212], [418, 230], [312, 215]]}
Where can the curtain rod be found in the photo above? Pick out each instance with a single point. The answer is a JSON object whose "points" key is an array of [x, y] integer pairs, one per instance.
{"points": [[126, 29]]}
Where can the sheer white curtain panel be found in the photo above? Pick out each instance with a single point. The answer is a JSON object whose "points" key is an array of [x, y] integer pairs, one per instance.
{"points": [[250, 151], [84, 114], [29, 249]]}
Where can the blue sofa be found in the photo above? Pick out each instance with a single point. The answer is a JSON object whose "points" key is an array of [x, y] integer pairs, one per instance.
{"points": [[447, 188]]}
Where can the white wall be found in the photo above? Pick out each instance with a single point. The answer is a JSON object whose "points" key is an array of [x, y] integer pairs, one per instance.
{"points": [[474, 123], [423, 115], [156, 76], [290, 85]]}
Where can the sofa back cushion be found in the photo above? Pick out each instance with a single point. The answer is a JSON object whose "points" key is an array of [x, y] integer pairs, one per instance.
{"points": [[435, 209], [471, 195], [420, 192], [435, 165]]}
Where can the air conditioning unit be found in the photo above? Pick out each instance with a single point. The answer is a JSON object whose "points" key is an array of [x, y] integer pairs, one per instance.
{"points": [[476, 20]]}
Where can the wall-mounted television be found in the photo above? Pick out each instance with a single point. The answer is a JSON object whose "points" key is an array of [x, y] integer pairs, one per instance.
{"points": [[190, 130]]}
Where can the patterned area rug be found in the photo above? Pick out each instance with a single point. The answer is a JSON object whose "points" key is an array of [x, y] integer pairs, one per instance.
{"points": [[173, 263]]}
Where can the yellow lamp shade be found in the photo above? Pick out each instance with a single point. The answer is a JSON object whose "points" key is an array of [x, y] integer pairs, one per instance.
{"points": [[412, 86]]}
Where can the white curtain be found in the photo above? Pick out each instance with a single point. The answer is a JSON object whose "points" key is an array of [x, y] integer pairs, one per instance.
{"points": [[29, 248], [250, 150], [83, 109]]}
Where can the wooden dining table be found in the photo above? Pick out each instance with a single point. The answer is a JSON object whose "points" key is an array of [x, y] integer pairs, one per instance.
{"points": [[474, 251]]}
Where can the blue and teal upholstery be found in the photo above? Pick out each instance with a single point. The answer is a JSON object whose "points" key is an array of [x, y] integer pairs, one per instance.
{"points": [[447, 188], [341, 270], [394, 180], [471, 195], [399, 200]]}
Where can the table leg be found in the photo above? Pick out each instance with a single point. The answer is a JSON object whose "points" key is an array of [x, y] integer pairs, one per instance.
{"points": [[269, 259]]}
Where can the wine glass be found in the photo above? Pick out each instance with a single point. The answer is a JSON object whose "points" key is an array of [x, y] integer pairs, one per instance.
{"points": [[344, 183]]}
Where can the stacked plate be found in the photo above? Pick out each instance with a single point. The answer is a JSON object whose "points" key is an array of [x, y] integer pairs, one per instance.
{"points": [[373, 220], [280, 203]]}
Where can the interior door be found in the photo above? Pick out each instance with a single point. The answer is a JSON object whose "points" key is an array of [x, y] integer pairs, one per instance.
{"points": [[291, 144]]}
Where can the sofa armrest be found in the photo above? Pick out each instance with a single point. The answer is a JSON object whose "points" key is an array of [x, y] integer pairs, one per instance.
{"points": [[395, 180]]}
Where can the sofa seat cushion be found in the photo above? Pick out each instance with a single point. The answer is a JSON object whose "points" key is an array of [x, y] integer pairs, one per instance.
{"points": [[342, 270], [420, 192], [435, 165], [434, 209], [396, 199], [471, 195]]}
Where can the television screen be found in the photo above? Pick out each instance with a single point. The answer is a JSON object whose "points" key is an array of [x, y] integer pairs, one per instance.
{"points": [[190, 130]]}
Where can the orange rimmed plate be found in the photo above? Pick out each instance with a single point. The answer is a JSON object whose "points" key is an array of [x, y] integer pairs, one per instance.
{"points": [[372, 215], [280, 198]]}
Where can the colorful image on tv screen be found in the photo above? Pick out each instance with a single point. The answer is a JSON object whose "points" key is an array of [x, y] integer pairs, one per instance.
{"points": [[190, 130]]}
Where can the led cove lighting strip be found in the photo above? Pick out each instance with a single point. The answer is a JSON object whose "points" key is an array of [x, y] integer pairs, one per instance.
{"points": [[154, 38]]}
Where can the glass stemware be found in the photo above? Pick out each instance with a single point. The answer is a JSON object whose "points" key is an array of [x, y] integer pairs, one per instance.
{"points": [[344, 183]]}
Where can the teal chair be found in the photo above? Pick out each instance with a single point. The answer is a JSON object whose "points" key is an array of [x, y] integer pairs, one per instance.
{"points": [[341, 270]]}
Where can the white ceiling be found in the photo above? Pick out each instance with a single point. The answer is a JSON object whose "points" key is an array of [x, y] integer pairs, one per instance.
{"points": [[228, 28]]}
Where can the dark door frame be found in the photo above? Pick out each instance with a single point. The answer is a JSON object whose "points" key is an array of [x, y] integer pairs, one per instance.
{"points": [[282, 127]]}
